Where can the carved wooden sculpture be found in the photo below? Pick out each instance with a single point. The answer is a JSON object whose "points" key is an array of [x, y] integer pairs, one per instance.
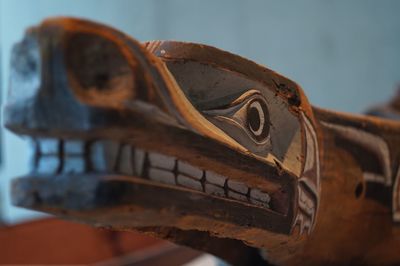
{"points": [[201, 147]]}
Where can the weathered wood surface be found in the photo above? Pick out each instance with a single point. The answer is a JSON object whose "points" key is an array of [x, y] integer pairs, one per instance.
{"points": [[201, 147]]}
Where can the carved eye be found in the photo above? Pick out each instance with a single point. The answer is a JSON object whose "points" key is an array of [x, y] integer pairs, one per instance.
{"points": [[257, 119], [246, 119]]}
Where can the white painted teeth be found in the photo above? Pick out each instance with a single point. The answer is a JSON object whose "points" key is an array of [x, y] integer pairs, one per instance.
{"points": [[190, 170], [73, 151], [215, 178], [189, 182], [161, 168], [237, 196], [161, 161], [33, 149], [138, 161], [238, 187], [74, 147], [258, 195], [125, 160], [189, 176], [73, 165], [48, 146], [53, 156], [259, 198], [48, 150], [162, 176], [103, 155], [214, 190], [237, 190], [48, 165]]}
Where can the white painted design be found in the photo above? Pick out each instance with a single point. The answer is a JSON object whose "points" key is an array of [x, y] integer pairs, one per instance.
{"points": [[260, 111], [304, 223], [373, 143], [312, 157], [307, 203]]}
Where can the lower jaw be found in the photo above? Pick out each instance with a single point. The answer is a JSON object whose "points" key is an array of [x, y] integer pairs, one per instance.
{"points": [[131, 203], [127, 202]]}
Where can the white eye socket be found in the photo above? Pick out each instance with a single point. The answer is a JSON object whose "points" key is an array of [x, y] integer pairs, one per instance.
{"points": [[246, 118], [257, 116]]}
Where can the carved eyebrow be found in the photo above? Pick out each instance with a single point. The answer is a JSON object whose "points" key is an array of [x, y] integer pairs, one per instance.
{"points": [[245, 96], [242, 97]]}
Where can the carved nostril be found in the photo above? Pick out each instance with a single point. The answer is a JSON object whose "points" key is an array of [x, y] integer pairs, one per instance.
{"points": [[97, 66]]}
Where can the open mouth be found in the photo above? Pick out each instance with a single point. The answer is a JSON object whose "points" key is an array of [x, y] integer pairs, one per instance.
{"points": [[120, 137], [104, 157], [89, 178]]}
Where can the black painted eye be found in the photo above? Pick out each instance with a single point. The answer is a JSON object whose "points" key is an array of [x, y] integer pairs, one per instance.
{"points": [[257, 119], [246, 119]]}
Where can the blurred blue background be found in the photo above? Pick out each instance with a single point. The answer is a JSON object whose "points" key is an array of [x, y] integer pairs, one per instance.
{"points": [[345, 54]]}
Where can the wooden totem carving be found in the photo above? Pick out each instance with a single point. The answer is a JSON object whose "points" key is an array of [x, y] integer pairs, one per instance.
{"points": [[201, 147]]}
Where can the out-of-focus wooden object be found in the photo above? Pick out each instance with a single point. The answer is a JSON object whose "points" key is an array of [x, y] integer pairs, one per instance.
{"points": [[54, 241]]}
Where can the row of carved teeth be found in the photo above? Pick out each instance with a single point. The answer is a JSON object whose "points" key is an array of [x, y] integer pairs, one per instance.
{"points": [[55, 156]]}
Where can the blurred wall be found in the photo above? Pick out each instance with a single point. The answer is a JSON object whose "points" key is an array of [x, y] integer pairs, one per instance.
{"points": [[345, 54]]}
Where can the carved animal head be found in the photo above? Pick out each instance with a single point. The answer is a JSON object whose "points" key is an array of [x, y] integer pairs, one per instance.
{"points": [[161, 135]]}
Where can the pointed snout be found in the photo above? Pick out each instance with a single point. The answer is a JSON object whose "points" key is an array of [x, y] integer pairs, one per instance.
{"points": [[68, 72]]}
